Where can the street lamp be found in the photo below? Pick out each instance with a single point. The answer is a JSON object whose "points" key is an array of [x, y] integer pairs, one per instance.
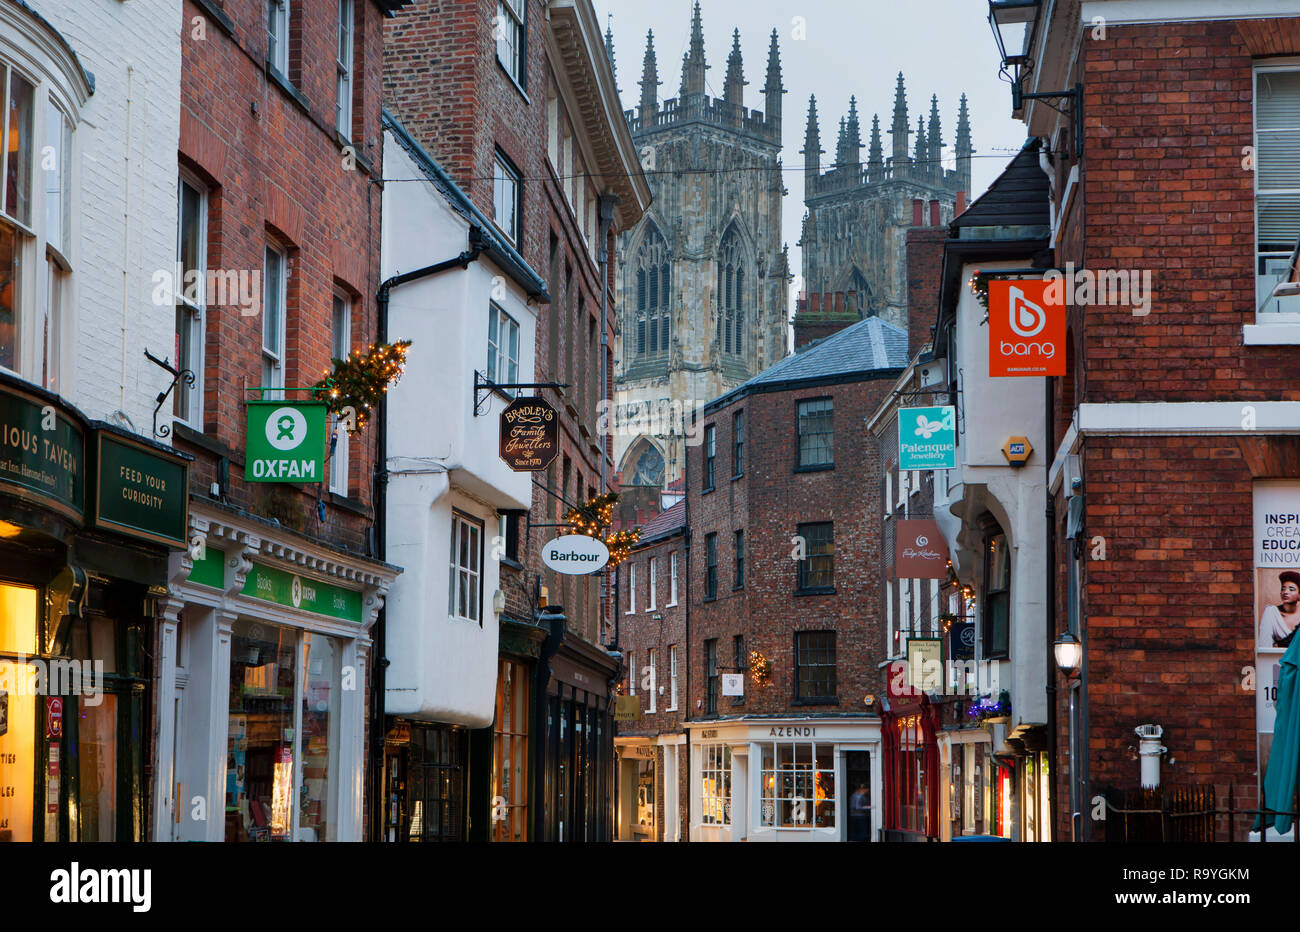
{"points": [[1013, 23], [1069, 653]]}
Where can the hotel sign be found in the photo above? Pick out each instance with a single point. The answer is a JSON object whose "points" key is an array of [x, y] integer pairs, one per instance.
{"points": [[530, 434], [42, 453], [141, 492]]}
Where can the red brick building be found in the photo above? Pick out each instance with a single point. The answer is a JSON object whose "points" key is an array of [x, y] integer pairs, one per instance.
{"points": [[651, 633], [783, 506], [273, 605], [516, 100], [1176, 461]]}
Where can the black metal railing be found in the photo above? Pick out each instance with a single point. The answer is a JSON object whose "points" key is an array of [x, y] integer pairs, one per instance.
{"points": [[1183, 814]]}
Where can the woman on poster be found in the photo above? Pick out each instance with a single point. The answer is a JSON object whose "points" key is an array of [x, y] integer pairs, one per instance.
{"points": [[1278, 623]]}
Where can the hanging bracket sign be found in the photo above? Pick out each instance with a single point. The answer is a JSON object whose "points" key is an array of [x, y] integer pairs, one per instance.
{"points": [[575, 554], [530, 434], [286, 442]]}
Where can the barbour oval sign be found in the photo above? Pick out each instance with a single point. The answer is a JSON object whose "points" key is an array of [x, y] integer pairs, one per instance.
{"points": [[575, 554], [530, 434]]}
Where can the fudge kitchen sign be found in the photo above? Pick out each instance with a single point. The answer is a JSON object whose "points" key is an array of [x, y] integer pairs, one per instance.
{"points": [[1026, 329], [575, 554], [920, 551]]}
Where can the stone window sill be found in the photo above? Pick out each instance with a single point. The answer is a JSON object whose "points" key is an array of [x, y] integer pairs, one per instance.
{"points": [[1279, 334]]}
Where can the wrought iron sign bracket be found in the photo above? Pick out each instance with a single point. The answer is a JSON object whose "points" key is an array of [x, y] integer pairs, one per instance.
{"points": [[485, 385], [177, 375]]}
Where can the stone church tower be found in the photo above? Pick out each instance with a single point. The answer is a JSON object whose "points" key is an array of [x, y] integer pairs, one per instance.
{"points": [[703, 280], [855, 229]]}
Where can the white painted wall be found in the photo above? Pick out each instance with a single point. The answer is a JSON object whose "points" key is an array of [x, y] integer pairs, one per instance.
{"points": [[440, 456], [124, 207], [989, 411]]}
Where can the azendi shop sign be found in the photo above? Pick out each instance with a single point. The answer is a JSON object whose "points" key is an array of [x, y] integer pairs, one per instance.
{"points": [[42, 453]]}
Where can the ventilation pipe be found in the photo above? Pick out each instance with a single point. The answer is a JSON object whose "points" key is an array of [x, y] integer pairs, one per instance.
{"points": [[1149, 751]]}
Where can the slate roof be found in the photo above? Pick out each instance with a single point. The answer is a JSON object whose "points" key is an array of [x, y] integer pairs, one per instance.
{"points": [[1018, 198], [665, 522], [870, 345]]}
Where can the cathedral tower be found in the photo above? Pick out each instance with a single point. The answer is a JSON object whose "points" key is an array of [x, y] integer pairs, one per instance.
{"points": [[702, 281], [855, 230]]}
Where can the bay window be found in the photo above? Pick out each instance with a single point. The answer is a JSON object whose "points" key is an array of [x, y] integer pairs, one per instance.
{"points": [[466, 573], [798, 785]]}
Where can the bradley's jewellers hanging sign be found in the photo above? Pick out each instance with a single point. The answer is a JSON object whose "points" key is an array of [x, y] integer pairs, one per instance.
{"points": [[42, 453]]}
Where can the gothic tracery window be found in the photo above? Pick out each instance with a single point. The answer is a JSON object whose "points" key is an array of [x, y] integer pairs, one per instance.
{"points": [[653, 328], [733, 282]]}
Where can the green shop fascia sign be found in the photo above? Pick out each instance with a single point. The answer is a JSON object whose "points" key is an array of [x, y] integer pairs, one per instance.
{"points": [[42, 453], [286, 442], [141, 491], [304, 593]]}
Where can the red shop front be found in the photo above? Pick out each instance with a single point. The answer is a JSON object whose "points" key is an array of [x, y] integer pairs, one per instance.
{"points": [[909, 736]]}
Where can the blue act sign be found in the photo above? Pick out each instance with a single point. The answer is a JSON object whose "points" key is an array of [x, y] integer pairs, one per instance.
{"points": [[927, 438]]}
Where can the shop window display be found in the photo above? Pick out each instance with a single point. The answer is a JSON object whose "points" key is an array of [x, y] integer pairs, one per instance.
{"points": [[798, 782]]}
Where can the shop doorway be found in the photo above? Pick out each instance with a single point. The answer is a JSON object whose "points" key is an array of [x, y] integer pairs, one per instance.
{"points": [[857, 782]]}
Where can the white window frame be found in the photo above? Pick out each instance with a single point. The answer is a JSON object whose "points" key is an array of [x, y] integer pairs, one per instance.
{"points": [[277, 35], [714, 761], [195, 311], [631, 673], [342, 346], [1264, 283], [672, 579], [27, 233], [651, 573], [500, 363], [672, 678], [650, 664], [778, 786], [473, 573], [631, 589], [274, 304], [512, 38], [506, 180], [346, 57]]}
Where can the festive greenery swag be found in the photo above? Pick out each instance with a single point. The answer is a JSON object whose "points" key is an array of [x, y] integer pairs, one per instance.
{"points": [[359, 382], [979, 285], [760, 668], [594, 518]]}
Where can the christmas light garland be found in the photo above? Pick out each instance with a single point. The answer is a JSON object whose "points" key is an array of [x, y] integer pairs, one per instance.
{"points": [[360, 381], [594, 518]]}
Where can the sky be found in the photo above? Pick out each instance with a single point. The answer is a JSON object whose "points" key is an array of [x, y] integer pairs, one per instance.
{"points": [[943, 47]]}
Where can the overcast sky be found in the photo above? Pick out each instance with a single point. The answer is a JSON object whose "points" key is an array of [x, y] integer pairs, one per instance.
{"points": [[943, 47]]}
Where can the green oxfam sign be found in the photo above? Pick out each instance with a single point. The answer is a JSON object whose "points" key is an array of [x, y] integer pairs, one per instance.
{"points": [[927, 438], [303, 593], [286, 442]]}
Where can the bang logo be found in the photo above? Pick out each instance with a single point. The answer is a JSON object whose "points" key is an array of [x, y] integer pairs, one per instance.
{"points": [[1026, 330]]}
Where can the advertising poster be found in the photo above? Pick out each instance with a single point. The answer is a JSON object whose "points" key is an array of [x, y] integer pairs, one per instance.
{"points": [[1277, 595]]}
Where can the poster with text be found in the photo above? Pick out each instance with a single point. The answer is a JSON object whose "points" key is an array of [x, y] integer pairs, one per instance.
{"points": [[1276, 546]]}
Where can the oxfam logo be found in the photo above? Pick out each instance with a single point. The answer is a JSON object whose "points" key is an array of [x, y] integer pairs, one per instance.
{"points": [[286, 429]]}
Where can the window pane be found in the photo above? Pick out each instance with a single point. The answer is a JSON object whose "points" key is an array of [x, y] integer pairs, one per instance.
{"points": [[271, 303], [57, 134], [18, 164], [260, 743], [10, 294]]}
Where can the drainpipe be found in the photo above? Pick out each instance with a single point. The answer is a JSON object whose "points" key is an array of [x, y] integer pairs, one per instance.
{"points": [[686, 547], [1149, 750], [1050, 641], [379, 496]]}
